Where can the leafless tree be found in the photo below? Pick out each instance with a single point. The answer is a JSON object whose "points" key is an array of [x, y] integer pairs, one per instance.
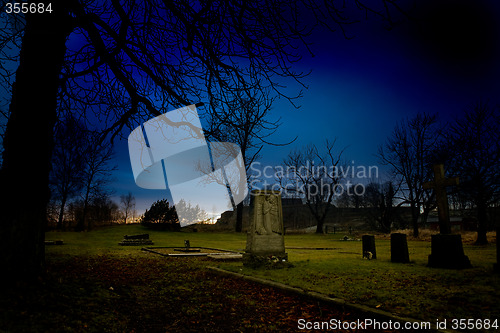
{"points": [[313, 174], [410, 151], [96, 174], [128, 205], [67, 162], [382, 210], [243, 118], [474, 155]]}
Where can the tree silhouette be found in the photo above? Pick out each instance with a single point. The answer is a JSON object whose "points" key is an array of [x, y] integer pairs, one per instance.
{"points": [[410, 151], [380, 201], [244, 119], [311, 174], [474, 155], [128, 205], [67, 162], [96, 174], [161, 216]]}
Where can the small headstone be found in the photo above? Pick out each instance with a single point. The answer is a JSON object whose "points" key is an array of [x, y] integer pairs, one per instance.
{"points": [[369, 251], [399, 248], [187, 247], [141, 236], [265, 238], [142, 239]]}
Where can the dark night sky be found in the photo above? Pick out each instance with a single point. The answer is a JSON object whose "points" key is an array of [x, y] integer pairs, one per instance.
{"points": [[360, 88]]}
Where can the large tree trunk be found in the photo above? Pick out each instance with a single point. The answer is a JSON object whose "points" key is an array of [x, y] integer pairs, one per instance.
{"points": [[319, 226], [28, 145]]}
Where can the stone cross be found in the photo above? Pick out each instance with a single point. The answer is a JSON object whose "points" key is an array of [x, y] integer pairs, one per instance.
{"points": [[439, 185]]}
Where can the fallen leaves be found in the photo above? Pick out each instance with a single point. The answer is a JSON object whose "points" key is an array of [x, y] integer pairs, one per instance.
{"points": [[143, 294]]}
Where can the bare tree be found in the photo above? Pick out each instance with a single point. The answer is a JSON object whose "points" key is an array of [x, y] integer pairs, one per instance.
{"points": [[382, 210], [100, 211], [313, 174], [67, 163], [410, 151], [129, 60], [474, 152], [128, 205], [243, 118], [96, 174]]}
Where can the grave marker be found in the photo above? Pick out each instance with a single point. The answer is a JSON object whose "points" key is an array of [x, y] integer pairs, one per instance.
{"points": [[369, 250], [187, 247], [439, 185], [446, 248], [265, 238], [142, 239], [399, 248]]}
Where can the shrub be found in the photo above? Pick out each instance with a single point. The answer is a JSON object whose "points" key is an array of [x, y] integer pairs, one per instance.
{"points": [[161, 216]]}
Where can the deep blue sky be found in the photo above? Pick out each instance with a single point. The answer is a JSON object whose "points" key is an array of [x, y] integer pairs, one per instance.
{"points": [[360, 88]]}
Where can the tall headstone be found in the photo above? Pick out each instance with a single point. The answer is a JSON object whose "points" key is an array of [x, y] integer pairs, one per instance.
{"points": [[265, 238], [446, 248], [399, 248], [369, 250]]}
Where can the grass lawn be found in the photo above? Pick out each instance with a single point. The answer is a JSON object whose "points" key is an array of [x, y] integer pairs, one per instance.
{"points": [[95, 285], [410, 290]]}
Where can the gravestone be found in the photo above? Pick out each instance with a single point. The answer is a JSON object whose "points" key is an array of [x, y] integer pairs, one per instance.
{"points": [[187, 247], [369, 250], [446, 248], [399, 248], [142, 239], [265, 238]]}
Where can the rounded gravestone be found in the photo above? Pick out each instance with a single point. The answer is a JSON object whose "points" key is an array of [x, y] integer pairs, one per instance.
{"points": [[369, 250]]}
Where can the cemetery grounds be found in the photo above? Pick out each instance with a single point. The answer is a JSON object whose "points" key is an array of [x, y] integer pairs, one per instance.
{"points": [[95, 285]]}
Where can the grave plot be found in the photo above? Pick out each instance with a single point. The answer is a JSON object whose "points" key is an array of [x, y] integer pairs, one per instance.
{"points": [[188, 251]]}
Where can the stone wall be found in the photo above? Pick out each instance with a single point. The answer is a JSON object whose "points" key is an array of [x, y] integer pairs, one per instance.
{"points": [[299, 217]]}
